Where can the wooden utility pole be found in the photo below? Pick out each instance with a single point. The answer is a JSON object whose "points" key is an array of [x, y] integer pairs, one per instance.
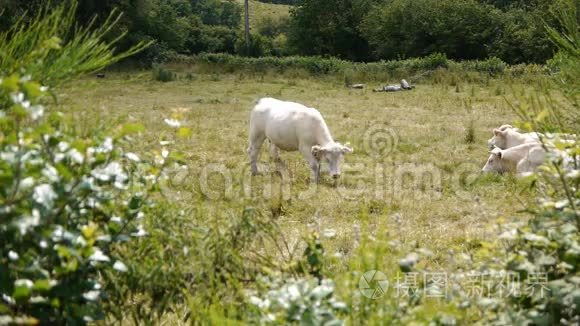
{"points": [[247, 24]]}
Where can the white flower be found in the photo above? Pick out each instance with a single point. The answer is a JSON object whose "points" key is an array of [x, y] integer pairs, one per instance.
{"points": [[23, 283], [9, 157], [140, 232], [44, 194], [76, 156], [164, 153], [26, 183], [8, 299], [98, 255], [17, 97], [63, 146], [50, 173], [573, 174], [80, 241], [13, 255], [106, 147], [58, 157], [165, 142], [105, 238], [43, 88], [35, 111], [132, 157], [112, 171], [255, 301], [293, 292], [172, 123], [120, 266], [91, 295], [117, 220]]}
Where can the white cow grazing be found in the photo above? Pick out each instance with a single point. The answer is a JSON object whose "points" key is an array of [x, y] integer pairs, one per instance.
{"points": [[291, 126], [507, 136], [521, 159]]}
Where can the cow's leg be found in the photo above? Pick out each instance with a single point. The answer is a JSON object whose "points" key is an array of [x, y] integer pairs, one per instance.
{"points": [[312, 162], [275, 153], [256, 141]]}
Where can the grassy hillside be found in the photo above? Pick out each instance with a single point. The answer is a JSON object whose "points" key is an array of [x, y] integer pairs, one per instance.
{"points": [[260, 10]]}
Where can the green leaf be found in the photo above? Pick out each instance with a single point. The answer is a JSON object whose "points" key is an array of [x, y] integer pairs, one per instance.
{"points": [[21, 292], [32, 89], [89, 231], [52, 43], [130, 128], [184, 132], [10, 83], [42, 285]]}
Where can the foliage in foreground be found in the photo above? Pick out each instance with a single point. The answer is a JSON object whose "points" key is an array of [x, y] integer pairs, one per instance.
{"points": [[66, 202], [53, 50]]}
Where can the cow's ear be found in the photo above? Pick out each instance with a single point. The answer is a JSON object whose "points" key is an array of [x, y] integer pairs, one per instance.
{"points": [[317, 152], [346, 148], [499, 132], [496, 151]]}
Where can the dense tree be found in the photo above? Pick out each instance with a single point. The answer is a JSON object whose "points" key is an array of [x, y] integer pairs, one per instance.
{"points": [[330, 27], [359, 30], [408, 28], [522, 38], [177, 26]]}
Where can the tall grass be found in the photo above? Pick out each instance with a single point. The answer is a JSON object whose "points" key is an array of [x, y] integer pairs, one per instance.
{"points": [[52, 41]]}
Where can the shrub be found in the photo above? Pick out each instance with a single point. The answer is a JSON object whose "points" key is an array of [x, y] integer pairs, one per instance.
{"points": [[306, 301], [491, 66], [67, 201], [162, 74]]}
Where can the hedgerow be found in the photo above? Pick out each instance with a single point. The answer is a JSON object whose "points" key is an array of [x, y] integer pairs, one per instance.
{"points": [[381, 70]]}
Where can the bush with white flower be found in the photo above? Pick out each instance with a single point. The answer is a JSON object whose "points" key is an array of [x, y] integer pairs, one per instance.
{"points": [[66, 201], [307, 301]]}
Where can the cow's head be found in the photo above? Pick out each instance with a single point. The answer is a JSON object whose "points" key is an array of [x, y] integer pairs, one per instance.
{"points": [[333, 153], [495, 162], [499, 139]]}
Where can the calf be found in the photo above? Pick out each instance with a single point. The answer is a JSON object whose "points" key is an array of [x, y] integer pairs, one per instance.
{"points": [[291, 126], [507, 136], [521, 159]]}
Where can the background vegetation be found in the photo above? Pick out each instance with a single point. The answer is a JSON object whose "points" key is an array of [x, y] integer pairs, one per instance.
{"points": [[359, 30]]}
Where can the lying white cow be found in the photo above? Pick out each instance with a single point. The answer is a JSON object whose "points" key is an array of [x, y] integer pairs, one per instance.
{"points": [[507, 136], [291, 126], [522, 158]]}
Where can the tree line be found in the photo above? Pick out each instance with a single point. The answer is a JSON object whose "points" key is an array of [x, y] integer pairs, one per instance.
{"points": [[357, 30]]}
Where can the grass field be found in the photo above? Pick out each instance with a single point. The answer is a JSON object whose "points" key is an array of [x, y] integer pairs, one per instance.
{"points": [[260, 10], [413, 177]]}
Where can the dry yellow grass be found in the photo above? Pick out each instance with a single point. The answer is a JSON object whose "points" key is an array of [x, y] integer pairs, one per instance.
{"points": [[425, 188]]}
